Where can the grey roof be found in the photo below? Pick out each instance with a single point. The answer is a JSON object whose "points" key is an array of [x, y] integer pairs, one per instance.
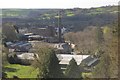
{"points": [[20, 46], [17, 43], [9, 43], [90, 60], [25, 44]]}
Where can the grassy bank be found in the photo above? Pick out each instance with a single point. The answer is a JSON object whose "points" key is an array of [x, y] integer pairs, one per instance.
{"points": [[20, 71]]}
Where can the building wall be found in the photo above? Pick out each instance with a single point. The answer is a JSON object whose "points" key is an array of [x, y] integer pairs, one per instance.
{"points": [[46, 32]]}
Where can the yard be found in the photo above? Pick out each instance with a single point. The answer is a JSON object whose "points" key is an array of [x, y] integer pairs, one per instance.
{"points": [[20, 71]]}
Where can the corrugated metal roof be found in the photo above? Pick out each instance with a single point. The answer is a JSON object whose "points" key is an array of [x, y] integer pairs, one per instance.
{"points": [[65, 58]]}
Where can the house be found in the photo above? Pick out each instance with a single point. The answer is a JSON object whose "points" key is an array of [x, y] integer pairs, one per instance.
{"points": [[18, 46], [12, 45], [63, 30], [71, 44], [65, 59], [90, 62], [21, 58], [35, 37], [50, 39], [8, 44], [26, 56], [63, 48], [25, 47], [32, 36], [28, 34]]}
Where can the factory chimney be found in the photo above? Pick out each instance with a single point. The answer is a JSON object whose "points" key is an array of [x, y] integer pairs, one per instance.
{"points": [[59, 27]]}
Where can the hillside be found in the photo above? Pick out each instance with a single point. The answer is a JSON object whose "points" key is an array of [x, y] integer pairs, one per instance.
{"points": [[91, 32], [75, 19]]}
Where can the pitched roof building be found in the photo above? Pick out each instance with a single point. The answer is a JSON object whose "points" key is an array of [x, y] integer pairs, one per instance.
{"points": [[65, 58]]}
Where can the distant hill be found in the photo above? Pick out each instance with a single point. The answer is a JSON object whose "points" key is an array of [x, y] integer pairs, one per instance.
{"points": [[75, 19]]}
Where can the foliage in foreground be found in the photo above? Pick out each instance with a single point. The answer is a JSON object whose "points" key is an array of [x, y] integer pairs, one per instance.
{"points": [[72, 70], [108, 67], [47, 63]]}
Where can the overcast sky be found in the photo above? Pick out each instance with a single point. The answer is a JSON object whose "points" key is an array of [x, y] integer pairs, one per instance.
{"points": [[56, 3]]}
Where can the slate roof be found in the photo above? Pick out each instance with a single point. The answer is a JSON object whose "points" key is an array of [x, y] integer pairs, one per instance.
{"points": [[19, 46], [89, 61]]}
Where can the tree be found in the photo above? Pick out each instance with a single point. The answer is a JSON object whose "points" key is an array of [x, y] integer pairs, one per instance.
{"points": [[3, 61], [72, 70], [16, 28], [9, 32], [4, 75], [47, 63], [108, 66], [86, 40], [99, 37], [54, 67], [102, 70]]}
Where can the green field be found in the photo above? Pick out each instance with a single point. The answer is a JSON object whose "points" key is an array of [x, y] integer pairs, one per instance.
{"points": [[20, 71]]}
